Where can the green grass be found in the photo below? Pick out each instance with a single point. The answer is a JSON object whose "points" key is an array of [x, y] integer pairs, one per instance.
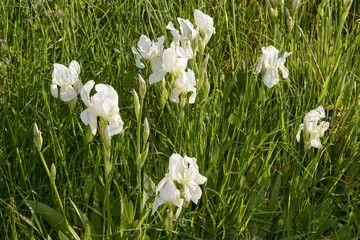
{"points": [[261, 184]]}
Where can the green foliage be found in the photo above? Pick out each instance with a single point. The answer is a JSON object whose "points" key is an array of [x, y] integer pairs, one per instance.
{"points": [[261, 184]]}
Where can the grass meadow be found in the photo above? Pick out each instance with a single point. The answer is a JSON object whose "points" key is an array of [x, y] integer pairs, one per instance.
{"points": [[261, 183]]}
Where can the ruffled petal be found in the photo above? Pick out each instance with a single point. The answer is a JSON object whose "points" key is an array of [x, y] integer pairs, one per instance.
{"points": [[271, 77], [67, 93]]}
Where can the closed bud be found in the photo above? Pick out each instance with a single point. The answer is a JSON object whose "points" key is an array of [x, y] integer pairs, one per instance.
{"points": [[146, 131], [163, 98], [290, 22], [53, 173], [136, 105], [142, 86], [295, 6], [37, 137], [274, 13]]}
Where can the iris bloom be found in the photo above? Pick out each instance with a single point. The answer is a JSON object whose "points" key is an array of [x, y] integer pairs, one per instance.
{"points": [[312, 131], [149, 50], [173, 62], [186, 172], [270, 64], [185, 83], [168, 193], [205, 24], [103, 104], [68, 81], [187, 34]]}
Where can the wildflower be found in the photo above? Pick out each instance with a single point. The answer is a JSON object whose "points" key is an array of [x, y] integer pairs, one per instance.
{"points": [[183, 84], [37, 137], [173, 62], [149, 50], [168, 193], [188, 34], [186, 172], [312, 131], [103, 104], [8, 60], [68, 81], [270, 64], [205, 24]]}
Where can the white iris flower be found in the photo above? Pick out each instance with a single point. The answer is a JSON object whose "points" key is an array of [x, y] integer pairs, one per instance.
{"points": [[187, 34], [312, 131], [185, 171], [149, 50], [270, 64], [68, 81], [205, 24], [103, 104], [185, 83], [168, 193], [173, 62]]}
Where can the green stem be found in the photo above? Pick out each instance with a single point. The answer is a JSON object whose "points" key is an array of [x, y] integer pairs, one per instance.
{"points": [[53, 186], [138, 153]]}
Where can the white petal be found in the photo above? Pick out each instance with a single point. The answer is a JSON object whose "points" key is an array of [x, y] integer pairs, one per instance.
{"points": [[316, 143], [179, 202], [208, 34], [174, 97], [157, 203], [60, 74], [54, 90], [115, 125], [157, 76], [156, 64], [173, 30], [85, 92], [271, 77], [74, 67], [139, 64], [161, 183], [193, 96], [284, 71], [301, 127], [259, 67], [67, 93], [89, 117]]}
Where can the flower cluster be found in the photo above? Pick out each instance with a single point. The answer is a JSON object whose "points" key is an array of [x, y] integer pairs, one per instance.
{"points": [[174, 60], [103, 104], [185, 172]]}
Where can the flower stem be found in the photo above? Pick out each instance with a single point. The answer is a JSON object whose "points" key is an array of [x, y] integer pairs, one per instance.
{"points": [[57, 196]]}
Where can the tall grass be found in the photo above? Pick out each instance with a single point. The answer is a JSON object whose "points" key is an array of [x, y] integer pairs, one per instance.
{"points": [[261, 184]]}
